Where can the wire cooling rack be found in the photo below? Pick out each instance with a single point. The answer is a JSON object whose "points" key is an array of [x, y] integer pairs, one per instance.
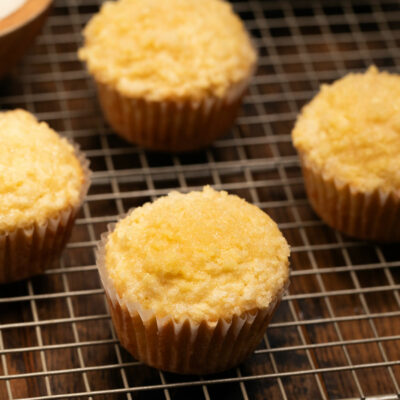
{"points": [[337, 332]]}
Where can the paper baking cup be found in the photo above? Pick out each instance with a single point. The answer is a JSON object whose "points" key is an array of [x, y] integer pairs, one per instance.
{"points": [[371, 215], [184, 347], [179, 125], [29, 251]]}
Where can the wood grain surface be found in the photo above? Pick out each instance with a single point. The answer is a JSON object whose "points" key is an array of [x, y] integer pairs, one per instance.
{"points": [[336, 335]]}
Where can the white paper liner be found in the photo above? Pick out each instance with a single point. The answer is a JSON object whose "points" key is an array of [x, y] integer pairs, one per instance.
{"points": [[373, 215], [169, 125], [184, 347], [28, 251]]}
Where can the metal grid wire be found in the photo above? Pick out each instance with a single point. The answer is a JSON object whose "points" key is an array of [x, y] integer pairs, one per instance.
{"points": [[336, 333]]}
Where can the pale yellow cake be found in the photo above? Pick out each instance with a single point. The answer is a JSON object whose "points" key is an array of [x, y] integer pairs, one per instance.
{"points": [[40, 174], [202, 255], [351, 131], [168, 49]]}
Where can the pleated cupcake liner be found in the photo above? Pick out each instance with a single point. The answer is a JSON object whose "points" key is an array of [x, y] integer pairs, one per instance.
{"points": [[184, 347], [170, 125], [373, 215], [30, 250]]}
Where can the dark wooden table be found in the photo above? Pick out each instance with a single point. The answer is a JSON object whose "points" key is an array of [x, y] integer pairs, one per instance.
{"points": [[337, 332]]}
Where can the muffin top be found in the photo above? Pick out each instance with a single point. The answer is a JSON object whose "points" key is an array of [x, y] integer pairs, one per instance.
{"points": [[204, 255], [39, 171], [351, 131], [168, 49]]}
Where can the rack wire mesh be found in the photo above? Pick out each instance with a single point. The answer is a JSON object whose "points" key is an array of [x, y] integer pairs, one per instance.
{"points": [[337, 331]]}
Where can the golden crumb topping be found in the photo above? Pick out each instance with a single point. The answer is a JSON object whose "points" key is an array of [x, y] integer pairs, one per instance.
{"points": [[203, 255], [351, 130], [163, 49], [39, 172]]}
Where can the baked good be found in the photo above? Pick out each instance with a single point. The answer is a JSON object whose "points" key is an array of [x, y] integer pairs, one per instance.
{"points": [[43, 180], [193, 279], [170, 74], [348, 139]]}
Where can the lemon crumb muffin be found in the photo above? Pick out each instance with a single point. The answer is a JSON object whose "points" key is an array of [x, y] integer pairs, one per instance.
{"points": [[42, 183], [170, 74], [348, 138], [192, 279]]}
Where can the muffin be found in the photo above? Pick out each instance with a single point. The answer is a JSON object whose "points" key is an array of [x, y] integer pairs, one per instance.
{"points": [[348, 139], [193, 279], [170, 74], [43, 180]]}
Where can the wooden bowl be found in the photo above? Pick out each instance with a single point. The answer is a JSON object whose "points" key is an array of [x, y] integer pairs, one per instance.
{"points": [[18, 30]]}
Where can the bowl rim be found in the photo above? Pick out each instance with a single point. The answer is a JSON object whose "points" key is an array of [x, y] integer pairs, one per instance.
{"points": [[29, 11]]}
